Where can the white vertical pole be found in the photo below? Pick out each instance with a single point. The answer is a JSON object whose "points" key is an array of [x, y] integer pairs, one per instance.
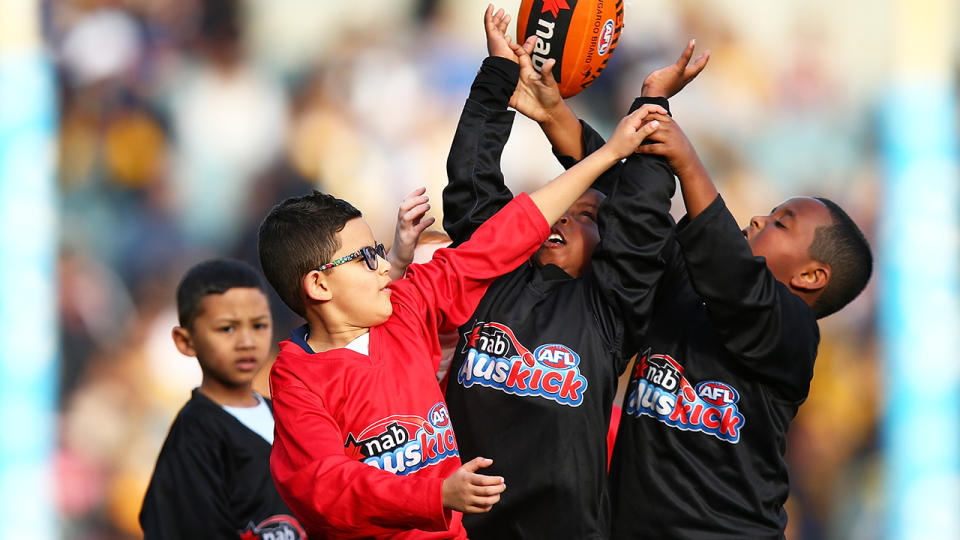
{"points": [[28, 245], [919, 264]]}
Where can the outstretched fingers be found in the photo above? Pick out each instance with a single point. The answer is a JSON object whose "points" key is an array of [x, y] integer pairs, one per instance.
{"points": [[691, 72], [503, 23], [686, 55], [415, 198]]}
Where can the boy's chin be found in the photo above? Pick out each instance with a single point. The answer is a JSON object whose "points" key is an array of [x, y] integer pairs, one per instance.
{"points": [[545, 256], [382, 316]]}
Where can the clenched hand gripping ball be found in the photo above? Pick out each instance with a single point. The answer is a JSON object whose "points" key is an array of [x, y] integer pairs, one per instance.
{"points": [[579, 34]]}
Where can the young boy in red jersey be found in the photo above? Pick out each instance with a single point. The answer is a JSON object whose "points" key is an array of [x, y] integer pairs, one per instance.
{"points": [[364, 444], [212, 478]]}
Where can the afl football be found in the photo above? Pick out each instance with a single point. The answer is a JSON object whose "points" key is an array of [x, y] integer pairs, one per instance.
{"points": [[579, 34]]}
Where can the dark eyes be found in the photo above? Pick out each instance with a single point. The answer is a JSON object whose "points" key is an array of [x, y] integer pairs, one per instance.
{"points": [[230, 328], [589, 215], [780, 224]]}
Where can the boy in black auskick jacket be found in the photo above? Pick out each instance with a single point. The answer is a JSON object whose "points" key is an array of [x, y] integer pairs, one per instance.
{"points": [[212, 478], [533, 378], [726, 359]]}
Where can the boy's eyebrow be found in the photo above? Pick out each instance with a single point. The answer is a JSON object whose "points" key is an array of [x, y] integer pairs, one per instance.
{"points": [[226, 318]]}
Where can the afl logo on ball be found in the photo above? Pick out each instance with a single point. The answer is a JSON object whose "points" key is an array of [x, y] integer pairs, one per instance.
{"points": [[606, 37]]}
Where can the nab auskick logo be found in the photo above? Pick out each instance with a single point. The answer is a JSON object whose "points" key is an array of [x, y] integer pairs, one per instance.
{"points": [[279, 527], [658, 389], [403, 444], [495, 359]]}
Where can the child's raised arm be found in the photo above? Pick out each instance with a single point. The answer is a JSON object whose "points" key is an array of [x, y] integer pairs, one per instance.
{"points": [[670, 142], [554, 198], [410, 224]]}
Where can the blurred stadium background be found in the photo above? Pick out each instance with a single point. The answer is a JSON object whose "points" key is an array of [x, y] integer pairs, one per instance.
{"points": [[140, 136]]}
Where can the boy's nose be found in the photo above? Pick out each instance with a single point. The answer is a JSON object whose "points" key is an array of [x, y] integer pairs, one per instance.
{"points": [[383, 267], [245, 339], [757, 221]]}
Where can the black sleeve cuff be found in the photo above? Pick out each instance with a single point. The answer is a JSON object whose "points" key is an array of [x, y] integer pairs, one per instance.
{"points": [[495, 82], [641, 101], [591, 141]]}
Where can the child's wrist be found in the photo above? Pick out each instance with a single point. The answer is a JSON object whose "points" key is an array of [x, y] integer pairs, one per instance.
{"points": [[649, 90], [608, 154], [689, 167]]}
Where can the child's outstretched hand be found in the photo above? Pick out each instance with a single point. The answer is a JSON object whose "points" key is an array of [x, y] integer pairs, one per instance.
{"points": [[537, 95], [666, 82], [472, 493], [670, 142], [498, 41], [634, 128], [410, 224]]}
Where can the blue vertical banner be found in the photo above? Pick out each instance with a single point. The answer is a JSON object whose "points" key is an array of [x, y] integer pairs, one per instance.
{"points": [[920, 287], [28, 246]]}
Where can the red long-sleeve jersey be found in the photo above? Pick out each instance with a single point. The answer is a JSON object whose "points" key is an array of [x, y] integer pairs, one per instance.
{"points": [[363, 442]]}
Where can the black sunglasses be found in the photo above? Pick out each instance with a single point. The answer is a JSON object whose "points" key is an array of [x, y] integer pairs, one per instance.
{"points": [[369, 254]]}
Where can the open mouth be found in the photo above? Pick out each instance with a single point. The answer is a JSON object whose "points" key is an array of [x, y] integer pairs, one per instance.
{"points": [[555, 240]]}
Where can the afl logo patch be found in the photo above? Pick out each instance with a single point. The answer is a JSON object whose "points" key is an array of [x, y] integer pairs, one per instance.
{"points": [[556, 356], [606, 38], [438, 416], [717, 393]]}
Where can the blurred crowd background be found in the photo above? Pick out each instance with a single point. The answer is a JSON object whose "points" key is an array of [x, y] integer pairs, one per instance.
{"points": [[183, 121]]}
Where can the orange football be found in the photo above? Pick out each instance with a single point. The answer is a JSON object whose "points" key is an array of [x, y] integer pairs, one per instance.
{"points": [[579, 34]]}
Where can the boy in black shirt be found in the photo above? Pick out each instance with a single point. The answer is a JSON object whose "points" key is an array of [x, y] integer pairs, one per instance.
{"points": [[537, 364], [727, 359], [212, 478]]}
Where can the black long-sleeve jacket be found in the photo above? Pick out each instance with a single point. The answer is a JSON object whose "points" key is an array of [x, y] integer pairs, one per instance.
{"points": [[723, 366], [535, 372], [212, 480]]}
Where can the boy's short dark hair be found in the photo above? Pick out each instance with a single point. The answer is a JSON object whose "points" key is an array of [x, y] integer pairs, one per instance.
{"points": [[844, 247], [214, 276], [298, 235]]}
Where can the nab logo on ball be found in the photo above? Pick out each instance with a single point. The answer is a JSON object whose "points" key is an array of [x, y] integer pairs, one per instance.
{"points": [[496, 359], [659, 389], [579, 35], [402, 444]]}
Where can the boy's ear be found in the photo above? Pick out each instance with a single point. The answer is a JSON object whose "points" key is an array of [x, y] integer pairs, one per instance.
{"points": [[316, 287], [183, 341], [812, 278]]}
